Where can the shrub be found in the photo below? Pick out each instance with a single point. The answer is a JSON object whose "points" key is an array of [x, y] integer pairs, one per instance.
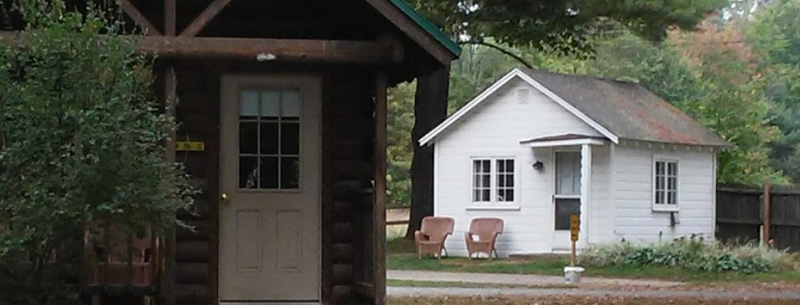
{"points": [[693, 253], [79, 144]]}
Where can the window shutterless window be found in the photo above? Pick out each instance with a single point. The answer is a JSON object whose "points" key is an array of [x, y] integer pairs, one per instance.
{"points": [[493, 180], [505, 180], [481, 175], [665, 185]]}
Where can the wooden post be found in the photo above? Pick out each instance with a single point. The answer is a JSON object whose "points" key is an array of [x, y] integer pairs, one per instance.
{"points": [[379, 209], [168, 277], [169, 18], [767, 211], [574, 228]]}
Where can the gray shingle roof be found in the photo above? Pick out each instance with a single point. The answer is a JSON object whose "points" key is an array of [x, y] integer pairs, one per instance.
{"points": [[627, 110]]}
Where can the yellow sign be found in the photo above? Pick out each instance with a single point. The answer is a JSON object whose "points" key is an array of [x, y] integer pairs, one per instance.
{"points": [[574, 226], [190, 146]]}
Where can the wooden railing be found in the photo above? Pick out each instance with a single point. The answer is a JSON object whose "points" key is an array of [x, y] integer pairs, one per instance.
{"points": [[120, 263]]}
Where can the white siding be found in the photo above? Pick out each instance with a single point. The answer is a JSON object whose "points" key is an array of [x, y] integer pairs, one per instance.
{"points": [[494, 129], [635, 220], [601, 218]]}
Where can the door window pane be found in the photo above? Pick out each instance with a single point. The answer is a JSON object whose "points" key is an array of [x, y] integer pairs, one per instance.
{"points": [[248, 138], [270, 104], [248, 172], [269, 138], [269, 173], [290, 172], [290, 138], [565, 208], [568, 173], [248, 107], [291, 105]]}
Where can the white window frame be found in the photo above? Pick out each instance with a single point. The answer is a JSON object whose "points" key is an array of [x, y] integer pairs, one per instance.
{"points": [[474, 188], [665, 207], [493, 202]]}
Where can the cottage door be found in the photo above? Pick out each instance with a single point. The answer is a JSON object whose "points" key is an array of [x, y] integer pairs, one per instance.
{"points": [[567, 197], [269, 217]]}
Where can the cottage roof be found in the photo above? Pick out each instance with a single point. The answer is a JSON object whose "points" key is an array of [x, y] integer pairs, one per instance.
{"points": [[616, 109]]}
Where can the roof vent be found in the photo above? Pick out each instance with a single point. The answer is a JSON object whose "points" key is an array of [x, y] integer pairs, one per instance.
{"points": [[523, 95]]}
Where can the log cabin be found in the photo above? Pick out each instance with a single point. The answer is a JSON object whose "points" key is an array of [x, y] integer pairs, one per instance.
{"points": [[282, 112]]}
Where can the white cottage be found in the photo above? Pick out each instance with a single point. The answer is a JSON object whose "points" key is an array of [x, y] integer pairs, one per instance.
{"points": [[537, 147]]}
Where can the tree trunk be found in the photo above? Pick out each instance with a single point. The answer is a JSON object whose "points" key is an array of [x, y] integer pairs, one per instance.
{"points": [[430, 109]]}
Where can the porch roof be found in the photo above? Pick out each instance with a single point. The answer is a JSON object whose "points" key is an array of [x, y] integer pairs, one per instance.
{"points": [[429, 27], [566, 139]]}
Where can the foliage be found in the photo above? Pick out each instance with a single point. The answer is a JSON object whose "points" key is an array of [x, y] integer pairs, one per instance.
{"points": [[79, 145], [399, 150], [564, 26], [402, 256], [702, 81], [693, 253], [476, 69], [774, 36]]}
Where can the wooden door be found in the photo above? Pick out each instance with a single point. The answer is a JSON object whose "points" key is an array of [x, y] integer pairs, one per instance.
{"points": [[269, 221], [567, 197]]}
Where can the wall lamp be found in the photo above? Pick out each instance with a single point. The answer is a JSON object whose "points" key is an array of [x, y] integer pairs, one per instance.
{"points": [[538, 165]]}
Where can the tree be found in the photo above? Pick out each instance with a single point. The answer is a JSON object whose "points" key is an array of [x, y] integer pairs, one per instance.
{"points": [[701, 73], [774, 36], [79, 145], [399, 148], [563, 26]]}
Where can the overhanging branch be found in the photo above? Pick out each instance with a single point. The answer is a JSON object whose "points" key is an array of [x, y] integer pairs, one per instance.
{"points": [[502, 50]]}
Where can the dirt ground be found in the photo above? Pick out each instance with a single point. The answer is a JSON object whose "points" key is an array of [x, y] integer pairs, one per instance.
{"points": [[573, 300]]}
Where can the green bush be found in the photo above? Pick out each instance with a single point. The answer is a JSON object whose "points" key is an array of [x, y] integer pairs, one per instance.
{"points": [[693, 253], [79, 145]]}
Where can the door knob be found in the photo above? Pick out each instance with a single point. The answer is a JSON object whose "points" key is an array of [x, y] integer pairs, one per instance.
{"points": [[224, 198]]}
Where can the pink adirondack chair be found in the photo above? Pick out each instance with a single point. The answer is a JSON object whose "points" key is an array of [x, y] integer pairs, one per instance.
{"points": [[431, 236], [482, 236]]}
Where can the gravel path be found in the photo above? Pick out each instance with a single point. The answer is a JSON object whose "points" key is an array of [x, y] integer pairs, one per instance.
{"points": [[535, 292], [518, 279], [589, 287]]}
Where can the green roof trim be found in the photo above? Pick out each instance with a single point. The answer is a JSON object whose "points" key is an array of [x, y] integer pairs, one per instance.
{"points": [[429, 27]]}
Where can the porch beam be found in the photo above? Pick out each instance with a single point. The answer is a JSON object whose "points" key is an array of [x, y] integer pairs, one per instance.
{"points": [[138, 18], [586, 193], [202, 20], [281, 50], [267, 49]]}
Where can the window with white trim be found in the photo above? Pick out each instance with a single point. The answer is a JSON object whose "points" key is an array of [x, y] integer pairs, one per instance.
{"points": [[482, 180], [665, 185], [493, 180]]}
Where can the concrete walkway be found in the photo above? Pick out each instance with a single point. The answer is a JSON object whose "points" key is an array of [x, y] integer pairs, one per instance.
{"points": [[543, 286], [517, 279]]}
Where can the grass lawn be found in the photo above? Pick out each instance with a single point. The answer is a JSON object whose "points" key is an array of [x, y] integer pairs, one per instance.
{"points": [[402, 256]]}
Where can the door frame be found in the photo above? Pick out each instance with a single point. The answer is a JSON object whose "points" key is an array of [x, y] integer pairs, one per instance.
{"points": [[234, 80]]}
